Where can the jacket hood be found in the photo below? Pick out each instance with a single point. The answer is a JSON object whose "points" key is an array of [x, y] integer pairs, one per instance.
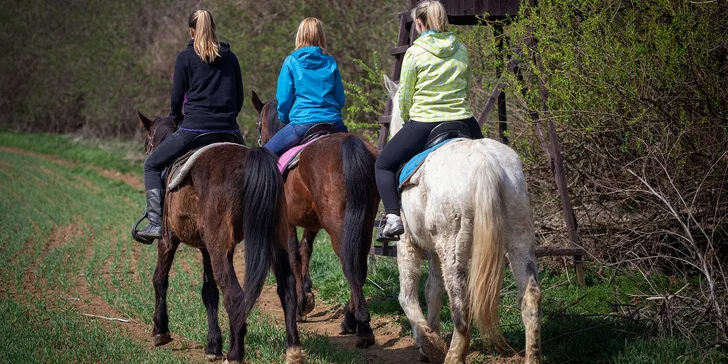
{"points": [[224, 47], [311, 57], [441, 45]]}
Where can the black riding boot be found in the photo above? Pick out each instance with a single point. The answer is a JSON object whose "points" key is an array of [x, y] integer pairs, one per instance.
{"points": [[154, 210]]}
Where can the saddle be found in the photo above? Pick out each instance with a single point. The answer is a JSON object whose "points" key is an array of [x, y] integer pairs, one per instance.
{"points": [[178, 170], [175, 173], [289, 159], [439, 136]]}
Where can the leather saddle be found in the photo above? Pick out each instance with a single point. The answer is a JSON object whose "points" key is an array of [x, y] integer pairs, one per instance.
{"points": [[447, 130], [197, 143], [289, 159], [439, 134]]}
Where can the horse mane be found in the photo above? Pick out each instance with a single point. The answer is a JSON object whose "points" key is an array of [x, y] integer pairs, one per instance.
{"points": [[395, 121], [272, 123]]}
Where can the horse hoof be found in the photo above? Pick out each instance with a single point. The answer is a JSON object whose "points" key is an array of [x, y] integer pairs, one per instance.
{"points": [[364, 342], [434, 348], [310, 303], [301, 318], [422, 357], [346, 330], [162, 339], [295, 355], [213, 357]]}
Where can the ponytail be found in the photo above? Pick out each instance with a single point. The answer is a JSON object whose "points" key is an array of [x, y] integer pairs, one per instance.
{"points": [[432, 15], [205, 42]]}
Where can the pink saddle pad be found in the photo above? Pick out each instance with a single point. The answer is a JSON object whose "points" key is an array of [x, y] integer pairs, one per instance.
{"points": [[289, 154]]}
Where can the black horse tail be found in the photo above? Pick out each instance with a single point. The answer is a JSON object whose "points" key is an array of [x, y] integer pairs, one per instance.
{"points": [[356, 239], [263, 221]]}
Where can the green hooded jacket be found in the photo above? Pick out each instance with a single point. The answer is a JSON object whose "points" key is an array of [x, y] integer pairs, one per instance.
{"points": [[435, 79]]}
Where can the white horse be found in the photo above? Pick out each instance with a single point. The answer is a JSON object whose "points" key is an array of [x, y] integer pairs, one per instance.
{"points": [[467, 207]]}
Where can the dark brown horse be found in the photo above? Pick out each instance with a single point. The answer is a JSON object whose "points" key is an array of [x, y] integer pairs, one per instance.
{"points": [[231, 192], [332, 188]]}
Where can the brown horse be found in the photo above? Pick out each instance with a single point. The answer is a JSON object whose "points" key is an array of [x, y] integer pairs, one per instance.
{"points": [[332, 188], [231, 192]]}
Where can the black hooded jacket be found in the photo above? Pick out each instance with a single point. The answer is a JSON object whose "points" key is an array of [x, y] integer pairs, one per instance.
{"points": [[214, 90]]}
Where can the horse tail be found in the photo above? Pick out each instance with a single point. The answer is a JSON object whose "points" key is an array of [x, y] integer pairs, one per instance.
{"points": [[264, 212], [358, 168], [488, 253]]}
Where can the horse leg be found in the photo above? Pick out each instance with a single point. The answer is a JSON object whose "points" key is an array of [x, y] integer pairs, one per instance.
{"points": [[409, 258], [455, 266], [211, 299], [357, 315], [286, 280], [166, 249], [434, 290], [306, 249], [521, 254], [221, 258]]}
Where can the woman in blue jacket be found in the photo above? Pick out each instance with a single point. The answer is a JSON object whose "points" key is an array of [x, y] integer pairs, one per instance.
{"points": [[310, 90]]}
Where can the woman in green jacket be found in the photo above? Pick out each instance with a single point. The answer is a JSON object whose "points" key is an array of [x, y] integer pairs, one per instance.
{"points": [[434, 88]]}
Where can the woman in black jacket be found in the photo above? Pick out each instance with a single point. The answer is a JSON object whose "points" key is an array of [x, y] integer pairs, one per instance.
{"points": [[209, 73]]}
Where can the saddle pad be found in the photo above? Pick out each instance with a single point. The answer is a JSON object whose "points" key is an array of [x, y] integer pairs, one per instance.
{"points": [[413, 164], [289, 159], [178, 174]]}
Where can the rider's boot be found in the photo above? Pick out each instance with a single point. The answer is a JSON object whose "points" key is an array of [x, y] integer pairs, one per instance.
{"points": [[154, 209], [390, 228]]}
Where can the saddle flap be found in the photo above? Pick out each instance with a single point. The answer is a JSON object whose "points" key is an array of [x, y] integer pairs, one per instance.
{"points": [[448, 130], [317, 130]]}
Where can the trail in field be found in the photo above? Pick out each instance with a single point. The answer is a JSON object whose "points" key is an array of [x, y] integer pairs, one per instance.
{"points": [[391, 345], [79, 298], [132, 180]]}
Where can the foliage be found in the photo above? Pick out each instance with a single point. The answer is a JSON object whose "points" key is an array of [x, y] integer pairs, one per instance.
{"points": [[91, 64], [637, 92]]}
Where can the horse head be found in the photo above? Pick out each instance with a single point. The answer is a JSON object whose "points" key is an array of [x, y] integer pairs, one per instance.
{"points": [[157, 130], [396, 121], [267, 123]]}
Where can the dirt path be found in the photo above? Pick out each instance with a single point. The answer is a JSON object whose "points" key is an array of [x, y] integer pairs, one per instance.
{"points": [[391, 345]]}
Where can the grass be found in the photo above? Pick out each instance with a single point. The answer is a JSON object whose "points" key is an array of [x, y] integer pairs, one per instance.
{"points": [[577, 326], [63, 225]]}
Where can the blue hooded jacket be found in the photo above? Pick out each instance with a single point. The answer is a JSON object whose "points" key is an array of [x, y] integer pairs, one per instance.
{"points": [[310, 88]]}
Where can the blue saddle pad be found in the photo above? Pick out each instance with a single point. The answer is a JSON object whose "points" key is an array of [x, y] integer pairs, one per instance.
{"points": [[413, 164]]}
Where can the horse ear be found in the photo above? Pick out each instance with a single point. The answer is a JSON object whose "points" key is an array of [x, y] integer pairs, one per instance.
{"points": [[391, 86], [146, 123], [257, 104]]}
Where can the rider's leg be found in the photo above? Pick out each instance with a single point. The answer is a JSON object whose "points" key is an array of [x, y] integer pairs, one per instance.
{"points": [[409, 141], [173, 147], [287, 138]]}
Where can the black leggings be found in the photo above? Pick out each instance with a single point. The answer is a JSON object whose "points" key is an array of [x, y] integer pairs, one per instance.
{"points": [[173, 147], [409, 141]]}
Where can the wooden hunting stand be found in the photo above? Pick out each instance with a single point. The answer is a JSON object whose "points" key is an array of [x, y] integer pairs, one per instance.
{"points": [[466, 12]]}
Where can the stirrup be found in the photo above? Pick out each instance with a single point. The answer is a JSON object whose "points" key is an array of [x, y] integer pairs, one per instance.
{"points": [[384, 238], [135, 231]]}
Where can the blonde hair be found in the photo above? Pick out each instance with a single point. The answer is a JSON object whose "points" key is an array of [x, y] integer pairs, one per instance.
{"points": [[311, 33], [205, 41], [432, 15]]}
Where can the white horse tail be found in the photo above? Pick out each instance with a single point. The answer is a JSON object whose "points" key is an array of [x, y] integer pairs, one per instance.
{"points": [[488, 253]]}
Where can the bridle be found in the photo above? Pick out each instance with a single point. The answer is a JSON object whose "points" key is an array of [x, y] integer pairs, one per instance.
{"points": [[259, 122], [259, 127]]}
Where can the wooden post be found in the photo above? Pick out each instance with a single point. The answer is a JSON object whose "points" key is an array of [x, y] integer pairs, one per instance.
{"points": [[558, 169]]}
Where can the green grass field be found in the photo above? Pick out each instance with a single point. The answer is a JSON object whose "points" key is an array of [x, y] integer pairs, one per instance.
{"points": [[65, 249]]}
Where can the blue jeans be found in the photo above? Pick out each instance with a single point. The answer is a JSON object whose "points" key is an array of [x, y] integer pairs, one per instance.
{"points": [[292, 134]]}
